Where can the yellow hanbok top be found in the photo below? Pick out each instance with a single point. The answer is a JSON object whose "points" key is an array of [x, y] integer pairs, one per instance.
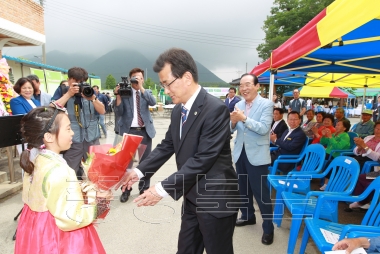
{"points": [[53, 187]]}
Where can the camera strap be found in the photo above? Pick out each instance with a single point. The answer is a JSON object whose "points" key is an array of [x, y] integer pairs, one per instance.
{"points": [[78, 106]]}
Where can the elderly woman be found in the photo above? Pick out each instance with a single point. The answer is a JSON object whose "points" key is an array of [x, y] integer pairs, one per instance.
{"points": [[328, 121], [365, 150], [307, 125], [25, 102], [339, 140]]}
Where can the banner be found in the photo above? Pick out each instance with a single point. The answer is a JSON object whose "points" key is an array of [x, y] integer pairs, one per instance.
{"points": [[53, 78], [96, 82], [41, 76], [217, 91]]}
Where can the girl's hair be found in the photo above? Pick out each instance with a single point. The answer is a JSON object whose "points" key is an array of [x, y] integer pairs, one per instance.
{"points": [[33, 127]]}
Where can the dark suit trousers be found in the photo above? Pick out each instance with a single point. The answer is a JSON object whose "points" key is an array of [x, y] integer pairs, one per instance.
{"points": [[144, 183], [253, 182], [200, 230]]}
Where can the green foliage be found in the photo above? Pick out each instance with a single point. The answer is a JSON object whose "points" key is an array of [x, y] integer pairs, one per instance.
{"points": [[110, 82], [287, 17], [149, 84]]}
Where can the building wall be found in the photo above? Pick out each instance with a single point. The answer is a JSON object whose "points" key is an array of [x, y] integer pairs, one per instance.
{"points": [[26, 13]]}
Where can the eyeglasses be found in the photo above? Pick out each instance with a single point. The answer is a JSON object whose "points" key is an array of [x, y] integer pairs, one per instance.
{"points": [[167, 86], [58, 108], [241, 86]]}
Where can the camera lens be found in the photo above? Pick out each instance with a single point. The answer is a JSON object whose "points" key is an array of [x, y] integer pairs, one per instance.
{"points": [[88, 91]]}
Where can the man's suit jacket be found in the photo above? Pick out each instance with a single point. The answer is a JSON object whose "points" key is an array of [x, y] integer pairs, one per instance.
{"points": [[205, 173], [293, 143], [20, 106], [231, 105], [254, 134], [125, 113], [45, 99], [280, 128]]}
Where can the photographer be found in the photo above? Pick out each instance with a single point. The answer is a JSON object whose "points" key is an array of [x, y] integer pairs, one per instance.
{"points": [[135, 117], [81, 104]]}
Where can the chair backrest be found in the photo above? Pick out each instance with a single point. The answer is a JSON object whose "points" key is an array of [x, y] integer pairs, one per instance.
{"points": [[344, 174], [314, 157], [372, 216], [353, 127], [320, 109], [352, 136]]}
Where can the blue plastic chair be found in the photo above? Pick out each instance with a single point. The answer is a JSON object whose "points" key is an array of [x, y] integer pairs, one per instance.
{"points": [[274, 169], [369, 225], [313, 160], [344, 175]]}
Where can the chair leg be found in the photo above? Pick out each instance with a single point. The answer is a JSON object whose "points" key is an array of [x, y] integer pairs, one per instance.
{"points": [[294, 230], [278, 211], [305, 239]]}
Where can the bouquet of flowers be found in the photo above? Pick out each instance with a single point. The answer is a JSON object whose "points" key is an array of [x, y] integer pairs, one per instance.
{"points": [[6, 89], [106, 165]]}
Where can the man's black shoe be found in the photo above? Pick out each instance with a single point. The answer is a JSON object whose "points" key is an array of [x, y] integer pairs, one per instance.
{"points": [[267, 239], [125, 196], [240, 222]]}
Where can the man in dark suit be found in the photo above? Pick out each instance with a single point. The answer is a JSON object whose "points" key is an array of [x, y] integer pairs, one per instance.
{"points": [[199, 136], [291, 142], [135, 118], [231, 100], [278, 125]]}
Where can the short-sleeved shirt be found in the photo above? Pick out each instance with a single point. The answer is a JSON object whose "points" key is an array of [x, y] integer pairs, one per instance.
{"points": [[297, 104]]}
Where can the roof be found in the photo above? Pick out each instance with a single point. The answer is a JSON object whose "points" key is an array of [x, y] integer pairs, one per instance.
{"points": [[41, 65]]}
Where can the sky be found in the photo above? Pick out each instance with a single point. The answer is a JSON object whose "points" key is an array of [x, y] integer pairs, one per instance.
{"points": [[221, 35]]}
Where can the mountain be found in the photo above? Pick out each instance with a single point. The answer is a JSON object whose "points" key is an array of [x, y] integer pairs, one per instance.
{"points": [[118, 63], [66, 61]]}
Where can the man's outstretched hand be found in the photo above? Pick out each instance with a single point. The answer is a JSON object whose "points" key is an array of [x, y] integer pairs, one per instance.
{"points": [[150, 197], [130, 179]]}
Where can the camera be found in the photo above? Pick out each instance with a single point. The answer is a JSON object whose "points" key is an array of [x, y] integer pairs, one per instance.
{"points": [[125, 89], [85, 89]]}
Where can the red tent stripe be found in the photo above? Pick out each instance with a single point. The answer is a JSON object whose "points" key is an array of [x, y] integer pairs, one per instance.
{"points": [[337, 93]]}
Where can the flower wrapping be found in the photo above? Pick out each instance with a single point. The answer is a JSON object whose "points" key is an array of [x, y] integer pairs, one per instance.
{"points": [[106, 169]]}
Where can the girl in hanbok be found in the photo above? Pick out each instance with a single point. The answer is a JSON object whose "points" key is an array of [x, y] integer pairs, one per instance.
{"points": [[55, 218]]}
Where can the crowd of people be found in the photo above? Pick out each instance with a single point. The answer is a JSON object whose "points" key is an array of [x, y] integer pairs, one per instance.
{"points": [[60, 129]]}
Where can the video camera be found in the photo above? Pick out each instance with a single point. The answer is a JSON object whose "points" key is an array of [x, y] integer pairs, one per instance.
{"points": [[125, 89], [85, 89]]}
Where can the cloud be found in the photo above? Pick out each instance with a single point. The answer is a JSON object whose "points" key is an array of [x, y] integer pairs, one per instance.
{"points": [[222, 35]]}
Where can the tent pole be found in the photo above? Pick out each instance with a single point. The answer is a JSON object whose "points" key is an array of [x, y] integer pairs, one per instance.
{"points": [[271, 85]]}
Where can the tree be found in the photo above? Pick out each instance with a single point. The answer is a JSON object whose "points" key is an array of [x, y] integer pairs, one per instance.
{"points": [[110, 82], [149, 84], [287, 17]]}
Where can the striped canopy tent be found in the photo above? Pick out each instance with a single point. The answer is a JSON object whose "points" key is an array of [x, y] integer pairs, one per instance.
{"points": [[321, 92], [343, 38], [324, 92]]}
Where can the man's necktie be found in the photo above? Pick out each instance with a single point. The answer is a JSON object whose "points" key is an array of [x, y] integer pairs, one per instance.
{"points": [[139, 118], [183, 115]]}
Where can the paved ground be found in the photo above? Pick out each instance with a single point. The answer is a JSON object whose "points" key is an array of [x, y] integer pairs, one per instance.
{"points": [[129, 229]]}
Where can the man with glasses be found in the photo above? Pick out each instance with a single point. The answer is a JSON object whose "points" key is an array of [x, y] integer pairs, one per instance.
{"points": [[81, 111], [199, 137], [135, 118], [290, 142], [252, 120], [297, 104]]}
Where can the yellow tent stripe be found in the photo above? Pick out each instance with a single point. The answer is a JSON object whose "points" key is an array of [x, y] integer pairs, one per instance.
{"points": [[343, 16]]}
